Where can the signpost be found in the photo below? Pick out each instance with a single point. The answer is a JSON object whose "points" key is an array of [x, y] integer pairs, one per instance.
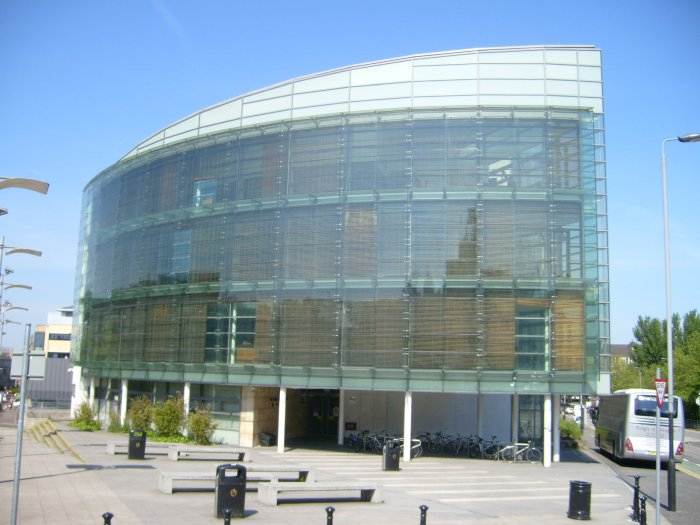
{"points": [[660, 392]]}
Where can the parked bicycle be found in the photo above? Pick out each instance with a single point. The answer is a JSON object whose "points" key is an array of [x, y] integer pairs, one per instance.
{"points": [[520, 452]]}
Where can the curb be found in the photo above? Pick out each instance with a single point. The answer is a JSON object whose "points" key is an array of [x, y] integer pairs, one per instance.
{"points": [[691, 469]]}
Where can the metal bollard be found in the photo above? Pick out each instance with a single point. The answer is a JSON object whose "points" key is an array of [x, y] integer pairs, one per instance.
{"points": [[227, 516], [329, 515], [423, 514], [635, 499], [107, 517], [643, 510]]}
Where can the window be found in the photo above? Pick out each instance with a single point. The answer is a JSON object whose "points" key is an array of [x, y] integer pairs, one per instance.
{"points": [[531, 338], [59, 337], [230, 332], [180, 260], [204, 193], [39, 339], [218, 331], [646, 406]]}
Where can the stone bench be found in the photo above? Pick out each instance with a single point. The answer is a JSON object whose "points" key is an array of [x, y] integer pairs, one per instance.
{"points": [[268, 493], [153, 449], [254, 473], [177, 452]]}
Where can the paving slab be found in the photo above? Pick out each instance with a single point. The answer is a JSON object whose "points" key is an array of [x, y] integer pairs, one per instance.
{"points": [[59, 489]]}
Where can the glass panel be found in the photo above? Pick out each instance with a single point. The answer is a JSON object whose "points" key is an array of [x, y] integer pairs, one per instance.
{"points": [[530, 327], [245, 325], [204, 192]]}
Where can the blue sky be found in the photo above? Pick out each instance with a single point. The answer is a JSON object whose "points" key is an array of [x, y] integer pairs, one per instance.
{"points": [[81, 82]]}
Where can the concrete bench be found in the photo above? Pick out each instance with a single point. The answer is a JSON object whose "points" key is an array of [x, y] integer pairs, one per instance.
{"points": [[268, 493], [254, 474], [153, 449], [177, 452]]}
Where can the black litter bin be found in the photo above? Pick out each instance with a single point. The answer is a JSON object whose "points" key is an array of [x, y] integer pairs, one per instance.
{"points": [[137, 444], [579, 500], [390, 455], [230, 490]]}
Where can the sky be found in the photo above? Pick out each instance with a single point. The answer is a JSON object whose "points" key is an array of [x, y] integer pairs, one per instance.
{"points": [[82, 82]]}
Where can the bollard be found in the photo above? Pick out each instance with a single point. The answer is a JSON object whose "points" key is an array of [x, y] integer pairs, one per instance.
{"points": [[423, 514], [643, 510], [329, 515], [635, 499], [227, 516], [107, 517]]}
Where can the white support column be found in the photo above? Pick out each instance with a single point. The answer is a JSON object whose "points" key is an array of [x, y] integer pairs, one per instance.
{"points": [[407, 409], [91, 394], [547, 431], [514, 413], [186, 398], [341, 417], [78, 396], [281, 419], [556, 433], [122, 401]]}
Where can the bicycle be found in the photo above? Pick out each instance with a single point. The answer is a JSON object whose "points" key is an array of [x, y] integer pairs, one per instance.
{"points": [[520, 452]]}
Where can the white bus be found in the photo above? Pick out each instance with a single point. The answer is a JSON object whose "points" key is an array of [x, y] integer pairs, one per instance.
{"points": [[626, 425]]}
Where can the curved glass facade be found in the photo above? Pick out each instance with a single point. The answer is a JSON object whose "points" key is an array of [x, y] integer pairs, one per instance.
{"points": [[451, 249]]}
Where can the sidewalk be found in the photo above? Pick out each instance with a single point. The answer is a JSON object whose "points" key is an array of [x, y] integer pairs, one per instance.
{"points": [[457, 491]]}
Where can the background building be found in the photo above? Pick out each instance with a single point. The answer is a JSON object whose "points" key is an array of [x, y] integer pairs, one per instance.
{"points": [[54, 337], [417, 243]]}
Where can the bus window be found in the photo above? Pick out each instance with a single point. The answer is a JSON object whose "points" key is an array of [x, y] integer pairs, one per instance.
{"points": [[646, 406]]}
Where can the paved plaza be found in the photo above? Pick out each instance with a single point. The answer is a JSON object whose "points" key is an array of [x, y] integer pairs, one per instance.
{"points": [[60, 488]]}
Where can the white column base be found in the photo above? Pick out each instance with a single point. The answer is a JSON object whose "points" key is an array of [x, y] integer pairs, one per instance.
{"points": [[556, 431], [91, 394], [281, 420], [407, 410], [547, 431], [186, 397], [123, 400]]}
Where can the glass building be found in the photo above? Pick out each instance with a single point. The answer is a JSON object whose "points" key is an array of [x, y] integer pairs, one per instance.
{"points": [[405, 236]]}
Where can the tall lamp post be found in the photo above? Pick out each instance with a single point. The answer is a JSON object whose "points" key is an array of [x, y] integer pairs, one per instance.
{"points": [[671, 479]]}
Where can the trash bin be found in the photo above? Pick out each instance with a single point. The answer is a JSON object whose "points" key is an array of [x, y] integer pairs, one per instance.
{"points": [[390, 455], [137, 444], [230, 490], [579, 500], [267, 439]]}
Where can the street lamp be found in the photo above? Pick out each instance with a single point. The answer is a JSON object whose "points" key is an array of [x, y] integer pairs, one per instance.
{"points": [[671, 479], [25, 184]]}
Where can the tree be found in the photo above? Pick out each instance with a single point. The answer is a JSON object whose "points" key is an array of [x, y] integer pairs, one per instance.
{"points": [[687, 362], [649, 347], [649, 351]]}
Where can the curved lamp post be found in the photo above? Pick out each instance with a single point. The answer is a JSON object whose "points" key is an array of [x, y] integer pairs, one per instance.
{"points": [[25, 184], [11, 250], [671, 478]]}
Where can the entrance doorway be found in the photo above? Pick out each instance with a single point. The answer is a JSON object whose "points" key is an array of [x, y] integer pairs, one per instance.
{"points": [[322, 413]]}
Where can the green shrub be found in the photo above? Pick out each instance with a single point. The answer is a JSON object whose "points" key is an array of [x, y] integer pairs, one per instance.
{"points": [[140, 413], [169, 417], [201, 426], [570, 429], [85, 419], [115, 424]]}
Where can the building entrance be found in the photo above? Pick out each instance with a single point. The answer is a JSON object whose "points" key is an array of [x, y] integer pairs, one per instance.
{"points": [[321, 412]]}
